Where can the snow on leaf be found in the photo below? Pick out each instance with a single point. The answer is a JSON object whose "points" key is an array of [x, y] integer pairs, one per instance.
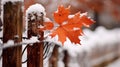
{"points": [[86, 21], [69, 27], [61, 15]]}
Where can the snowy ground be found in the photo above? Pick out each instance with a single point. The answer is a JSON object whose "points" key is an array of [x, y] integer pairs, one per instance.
{"points": [[97, 46], [115, 64]]}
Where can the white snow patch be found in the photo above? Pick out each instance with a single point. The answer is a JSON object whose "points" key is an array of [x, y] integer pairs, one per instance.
{"points": [[9, 42], [53, 40], [32, 40], [24, 56], [83, 14], [71, 16], [92, 42], [72, 49], [115, 64], [40, 26], [46, 19], [64, 23], [24, 34], [34, 9], [76, 28]]}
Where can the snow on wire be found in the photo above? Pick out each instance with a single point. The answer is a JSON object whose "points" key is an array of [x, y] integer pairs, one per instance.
{"points": [[48, 46]]}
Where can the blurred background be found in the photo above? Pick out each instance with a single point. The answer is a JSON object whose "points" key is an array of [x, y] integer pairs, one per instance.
{"points": [[100, 46], [105, 12]]}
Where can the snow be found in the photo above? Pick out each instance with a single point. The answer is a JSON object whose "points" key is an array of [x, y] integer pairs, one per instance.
{"points": [[115, 64], [53, 40], [91, 44], [99, 40], [30, 41], [46, 19], [76, 28], [84, 14], [24, 56], [8, 44], [72, 49], [37, 9], [46, 60], [71, 16]]}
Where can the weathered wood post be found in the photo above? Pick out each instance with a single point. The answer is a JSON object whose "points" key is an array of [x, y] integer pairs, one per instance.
{"points": [[35, 52], [66, 58], [12, 19], [53, 61], [96, 18]]}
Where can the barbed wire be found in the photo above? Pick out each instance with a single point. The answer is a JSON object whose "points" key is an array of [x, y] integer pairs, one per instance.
{"points": [[4, 45], [46, 47]]}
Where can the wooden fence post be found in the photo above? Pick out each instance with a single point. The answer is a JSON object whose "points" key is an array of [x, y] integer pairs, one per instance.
{"points": [[53, 61], [35, 52], [12, 27], [66, 58]]}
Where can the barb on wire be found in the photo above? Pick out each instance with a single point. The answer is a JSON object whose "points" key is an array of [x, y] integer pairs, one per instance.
{"points": [[28, 53], [46, 52]]}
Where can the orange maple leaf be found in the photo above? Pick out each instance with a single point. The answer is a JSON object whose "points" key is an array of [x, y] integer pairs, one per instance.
{"points": [[80, 21], [47, 26], [69, 27], [86, 21], [62, 33], [61, 14]]}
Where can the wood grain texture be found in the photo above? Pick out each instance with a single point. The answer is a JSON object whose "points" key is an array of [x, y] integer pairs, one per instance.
{"points": [[12, 27]]}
